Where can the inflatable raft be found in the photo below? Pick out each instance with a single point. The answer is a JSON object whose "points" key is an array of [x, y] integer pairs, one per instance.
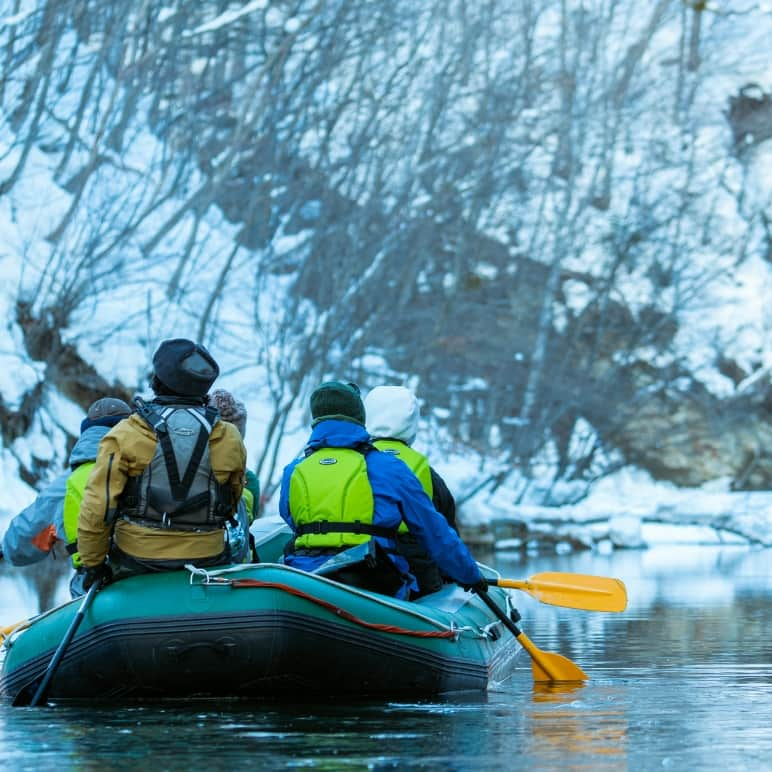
{"points": [[257, 631]]}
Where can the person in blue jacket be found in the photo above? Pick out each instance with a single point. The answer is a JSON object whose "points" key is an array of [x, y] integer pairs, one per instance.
{"points": [[53, 516], [344, 494]]}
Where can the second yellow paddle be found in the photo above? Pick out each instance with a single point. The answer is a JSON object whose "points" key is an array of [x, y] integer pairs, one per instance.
{"points": [[21, 625], [579, 591]]}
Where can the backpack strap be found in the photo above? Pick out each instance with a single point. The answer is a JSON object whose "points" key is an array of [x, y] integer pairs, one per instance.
{"points": [[157, 422], [151, 417]]}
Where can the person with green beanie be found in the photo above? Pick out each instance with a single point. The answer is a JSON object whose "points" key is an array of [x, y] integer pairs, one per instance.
{"points": [[344, 493]]}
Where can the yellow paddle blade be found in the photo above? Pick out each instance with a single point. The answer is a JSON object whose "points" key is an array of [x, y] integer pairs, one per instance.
{"points": [[21, 625], [579, 591], [539, 675], [548, 666], [545, 665]]}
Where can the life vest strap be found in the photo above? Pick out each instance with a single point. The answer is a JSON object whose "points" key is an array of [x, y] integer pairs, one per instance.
{"points": [[168, 523], [357, 527]]}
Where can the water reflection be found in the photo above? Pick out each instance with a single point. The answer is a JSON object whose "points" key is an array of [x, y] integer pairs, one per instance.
{"points": [[560, 724]]}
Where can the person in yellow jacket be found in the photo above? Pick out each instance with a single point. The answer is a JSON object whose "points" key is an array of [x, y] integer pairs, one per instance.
{"points": [[166, 480]]}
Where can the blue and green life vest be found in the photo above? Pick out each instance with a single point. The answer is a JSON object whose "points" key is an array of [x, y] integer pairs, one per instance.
{"points": [[331, 501], [416, 461]]}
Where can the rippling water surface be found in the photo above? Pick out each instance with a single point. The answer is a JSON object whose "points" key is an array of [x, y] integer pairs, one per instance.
{"points": [[681, 680]]}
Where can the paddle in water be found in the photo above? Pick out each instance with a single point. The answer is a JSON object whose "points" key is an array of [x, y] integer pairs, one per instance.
{"points": [[579, 591], [545, 665], [53, 665]]}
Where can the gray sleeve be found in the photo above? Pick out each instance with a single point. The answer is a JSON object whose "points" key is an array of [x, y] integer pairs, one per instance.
{"points": [[44, 511]]}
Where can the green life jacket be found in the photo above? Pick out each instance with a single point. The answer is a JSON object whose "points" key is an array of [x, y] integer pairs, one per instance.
{"points": [[73, 496], [251, 494], [331, 501], [417, 462], [249, 503]]}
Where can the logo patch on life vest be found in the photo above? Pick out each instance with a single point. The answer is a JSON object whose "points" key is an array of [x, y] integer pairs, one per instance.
{"points": [[392, 451], [327, 461], [183, 431]]}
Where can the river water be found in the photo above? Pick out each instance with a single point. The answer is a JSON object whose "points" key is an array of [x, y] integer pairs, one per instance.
{"points": [[681, 680]]}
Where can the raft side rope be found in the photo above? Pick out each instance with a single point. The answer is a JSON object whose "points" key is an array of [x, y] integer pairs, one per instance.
{"points": [[213, 577], [486, 630], [238, 584], [451, 631]]}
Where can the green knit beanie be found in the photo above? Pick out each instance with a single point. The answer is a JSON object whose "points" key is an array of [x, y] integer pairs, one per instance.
{"points": [[334, 399]]}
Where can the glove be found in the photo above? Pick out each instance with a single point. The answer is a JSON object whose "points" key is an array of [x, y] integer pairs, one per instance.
{"points": [[100, 574], [481, 585]]}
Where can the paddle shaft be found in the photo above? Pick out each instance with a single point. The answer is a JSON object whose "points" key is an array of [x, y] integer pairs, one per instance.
{"points": [[53, 665], [500, 613], [546, 666]]}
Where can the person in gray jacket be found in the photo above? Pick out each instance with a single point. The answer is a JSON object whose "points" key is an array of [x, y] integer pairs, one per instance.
{"points": [[34, 532]]}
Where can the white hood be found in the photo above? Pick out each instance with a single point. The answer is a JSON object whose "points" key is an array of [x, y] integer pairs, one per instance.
{"points": [[392, 411]]}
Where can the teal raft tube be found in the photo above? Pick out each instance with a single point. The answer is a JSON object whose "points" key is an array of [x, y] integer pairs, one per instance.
{"points": [[256, 631]]}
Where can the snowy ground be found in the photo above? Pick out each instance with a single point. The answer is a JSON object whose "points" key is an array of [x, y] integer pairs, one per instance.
{"points": [[629, 510]]}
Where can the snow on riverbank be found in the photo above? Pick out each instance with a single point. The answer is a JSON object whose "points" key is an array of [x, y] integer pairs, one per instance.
{"points": [[626, 510]]}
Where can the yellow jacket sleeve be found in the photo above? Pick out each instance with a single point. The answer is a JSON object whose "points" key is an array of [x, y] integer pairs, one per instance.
{"points": [[124, 451], [228, 457]]}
